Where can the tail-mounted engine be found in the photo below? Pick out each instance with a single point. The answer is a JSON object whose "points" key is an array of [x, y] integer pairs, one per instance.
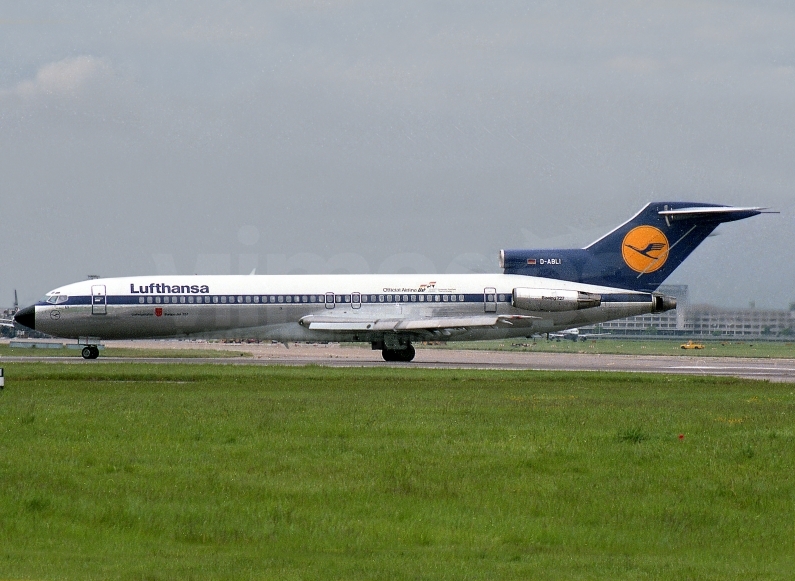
{"points": [[662, 303], [554, 300]]}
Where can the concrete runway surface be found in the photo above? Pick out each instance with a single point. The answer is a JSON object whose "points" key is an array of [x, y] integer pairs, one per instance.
{"points": [[779, 370]]}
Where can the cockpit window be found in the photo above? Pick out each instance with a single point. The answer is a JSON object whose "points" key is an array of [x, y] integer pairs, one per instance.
{"points": [[56, 299]]}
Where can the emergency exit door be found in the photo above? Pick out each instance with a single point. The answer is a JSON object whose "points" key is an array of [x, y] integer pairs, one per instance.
{"points": [[490, 300], [99, 300]]}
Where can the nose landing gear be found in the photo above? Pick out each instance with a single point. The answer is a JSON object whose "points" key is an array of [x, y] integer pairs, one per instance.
{"points": [[90, 352]]}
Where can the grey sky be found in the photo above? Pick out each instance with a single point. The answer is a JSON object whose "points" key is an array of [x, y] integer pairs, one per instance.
{"points": [[191, 137]]}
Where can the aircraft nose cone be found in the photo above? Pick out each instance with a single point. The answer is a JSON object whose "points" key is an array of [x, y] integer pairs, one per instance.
{"points": [[26, 317]]}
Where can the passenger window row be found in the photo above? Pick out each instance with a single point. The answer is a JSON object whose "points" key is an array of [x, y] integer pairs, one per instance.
{"points": [[329, 298]]}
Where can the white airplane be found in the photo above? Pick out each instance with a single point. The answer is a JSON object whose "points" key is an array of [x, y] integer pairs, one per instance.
{"points": [[10, 322], [540, 291], [575, 335]]}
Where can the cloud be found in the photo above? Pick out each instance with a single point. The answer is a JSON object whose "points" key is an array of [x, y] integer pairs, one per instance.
{"points": [[74, 97], [66, 78]]}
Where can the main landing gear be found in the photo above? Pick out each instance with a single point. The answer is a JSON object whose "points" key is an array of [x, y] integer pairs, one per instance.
{"points": [[90, 352], [404, 355], [395, 348]]}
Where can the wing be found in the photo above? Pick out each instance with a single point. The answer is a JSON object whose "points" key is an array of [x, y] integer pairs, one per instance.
{"points": [[343, 323]]}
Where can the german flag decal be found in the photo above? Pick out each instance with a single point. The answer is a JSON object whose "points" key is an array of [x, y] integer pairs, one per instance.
{"points": [[645, 249]]}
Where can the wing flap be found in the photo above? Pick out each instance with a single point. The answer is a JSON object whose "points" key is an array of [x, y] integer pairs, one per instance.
{"points": [[447, 323], [330, 323], [339, 326]]}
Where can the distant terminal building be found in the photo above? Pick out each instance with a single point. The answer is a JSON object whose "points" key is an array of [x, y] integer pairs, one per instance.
{"points": [[706, 320]]}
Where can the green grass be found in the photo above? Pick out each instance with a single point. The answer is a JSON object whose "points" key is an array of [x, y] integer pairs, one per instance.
{"points": [[636, 347], [125, 471], [7, 351]]}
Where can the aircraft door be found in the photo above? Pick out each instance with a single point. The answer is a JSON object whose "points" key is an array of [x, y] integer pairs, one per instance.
{"points": [[356, 300], [329, 300], [99, 300], [490, 300]]}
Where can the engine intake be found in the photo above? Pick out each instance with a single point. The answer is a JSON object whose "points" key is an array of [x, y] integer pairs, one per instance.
{"points": [[554, 300]]}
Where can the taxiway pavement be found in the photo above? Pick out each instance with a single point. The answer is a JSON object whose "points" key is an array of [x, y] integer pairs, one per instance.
{"points": [[778, 370]]}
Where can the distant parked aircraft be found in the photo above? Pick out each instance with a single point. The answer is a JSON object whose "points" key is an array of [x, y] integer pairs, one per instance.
{"points": [[10, 322], [575, 335]]}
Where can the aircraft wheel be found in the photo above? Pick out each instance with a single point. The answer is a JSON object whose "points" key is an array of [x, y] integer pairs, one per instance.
{"points": [[402, 355], [90, 352], [407, 354]]}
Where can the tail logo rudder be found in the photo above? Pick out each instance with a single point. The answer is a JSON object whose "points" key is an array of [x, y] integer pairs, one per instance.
{"points": [[645, 249]]}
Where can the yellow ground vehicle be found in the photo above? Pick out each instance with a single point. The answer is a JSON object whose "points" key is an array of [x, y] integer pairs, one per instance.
{"points": [[691, 345]]}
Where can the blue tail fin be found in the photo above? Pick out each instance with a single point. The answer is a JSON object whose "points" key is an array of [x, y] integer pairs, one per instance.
{"points": [[638, 255]]}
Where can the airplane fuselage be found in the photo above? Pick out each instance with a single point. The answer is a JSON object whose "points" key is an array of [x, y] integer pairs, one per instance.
{"points": [[282, 308]]}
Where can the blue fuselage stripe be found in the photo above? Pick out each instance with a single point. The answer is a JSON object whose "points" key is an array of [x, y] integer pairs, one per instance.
{"points": [[304, 299]]}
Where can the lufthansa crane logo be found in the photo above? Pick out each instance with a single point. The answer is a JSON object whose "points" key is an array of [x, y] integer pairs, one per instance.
{"points": [[645, 249]]}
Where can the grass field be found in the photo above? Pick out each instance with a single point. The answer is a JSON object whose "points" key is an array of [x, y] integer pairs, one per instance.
{"points": [[762, 349], [126, 471]]}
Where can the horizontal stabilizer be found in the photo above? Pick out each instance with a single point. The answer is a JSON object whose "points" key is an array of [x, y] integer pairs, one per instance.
{"points": [[719, 213]]}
